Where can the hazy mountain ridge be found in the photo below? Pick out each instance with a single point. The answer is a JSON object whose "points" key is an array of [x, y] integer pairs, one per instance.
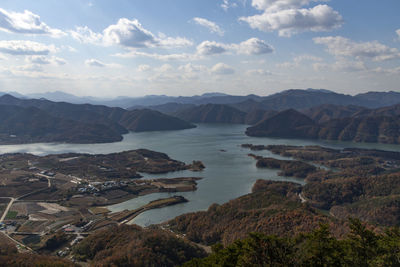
{"points": [[212, 113], [77, 123], [368, 128], [292, 98], [30, 125]]}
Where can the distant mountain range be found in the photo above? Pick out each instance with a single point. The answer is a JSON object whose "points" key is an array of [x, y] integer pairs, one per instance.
{"points": [[40, 120], [311, 113], [293, 98]]}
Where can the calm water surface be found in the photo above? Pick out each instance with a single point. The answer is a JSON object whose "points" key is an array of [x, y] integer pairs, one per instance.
{"points": [[229, 171]]}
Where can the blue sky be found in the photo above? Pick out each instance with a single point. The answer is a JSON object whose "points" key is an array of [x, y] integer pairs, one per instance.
{"points": [[184, 47]]}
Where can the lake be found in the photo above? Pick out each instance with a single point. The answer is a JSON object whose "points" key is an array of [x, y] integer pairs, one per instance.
{"points": [[229, 172]]}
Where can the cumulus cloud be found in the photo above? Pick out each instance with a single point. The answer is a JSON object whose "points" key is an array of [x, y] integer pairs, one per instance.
{"points": [[387, 71], [298, 60], [143, 68], [44, 60], [290, 21], [172, 42], [211, 48], [29, 68], [254, 46], [211, 26], [26, 23], [259, 72], [129, 34], [94, 63], [273, 5], [20, 47], [398, 33], [97, 63], [163, 57], [341, 65], [86, 35], [192, 68], [289, 17], [222, 69], [341, 46]]}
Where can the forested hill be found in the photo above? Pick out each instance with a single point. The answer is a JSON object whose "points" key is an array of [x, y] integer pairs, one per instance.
{"points": [[39, 120]]}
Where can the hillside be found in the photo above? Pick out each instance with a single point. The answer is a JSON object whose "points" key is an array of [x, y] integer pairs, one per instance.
{"points": [[30, 125], [361, 247], [150, 120], [135, 246], [286, 124], [364, 185], [293, 124], [379, 99], [212, 113], [324, 113], [47, 121], [271, 208]]}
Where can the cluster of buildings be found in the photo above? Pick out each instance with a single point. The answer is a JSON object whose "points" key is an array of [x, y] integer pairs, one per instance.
{"points": [[96, 187]]}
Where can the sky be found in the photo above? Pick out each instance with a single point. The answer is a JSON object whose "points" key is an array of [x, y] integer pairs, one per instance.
{"points": [[110, 48]]}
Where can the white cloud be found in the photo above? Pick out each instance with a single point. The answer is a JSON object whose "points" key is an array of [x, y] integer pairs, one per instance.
{"points": [[86, 35], [163, 57], [143, 68], [19, 47], [341, 65], [298, 60], [164, 68], [226, 5], [43, 60], [129, 34], [348, 66], [222, 69], [212, 26], [340, 46], [259, 72], [398, 33], [254, 46], [192, 68], [97, 63], [290, 21], [26, 23], [172, 42], [94, 63], [29, 68], [211, 48], [274, 5], [387, 71]]}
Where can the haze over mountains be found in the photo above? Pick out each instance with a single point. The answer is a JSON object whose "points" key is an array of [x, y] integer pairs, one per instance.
{"points": [[40, 120], [311, 113], [293, 98]]}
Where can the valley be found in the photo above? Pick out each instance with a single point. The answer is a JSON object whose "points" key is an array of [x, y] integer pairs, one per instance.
{"points": [[209, 184]]}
